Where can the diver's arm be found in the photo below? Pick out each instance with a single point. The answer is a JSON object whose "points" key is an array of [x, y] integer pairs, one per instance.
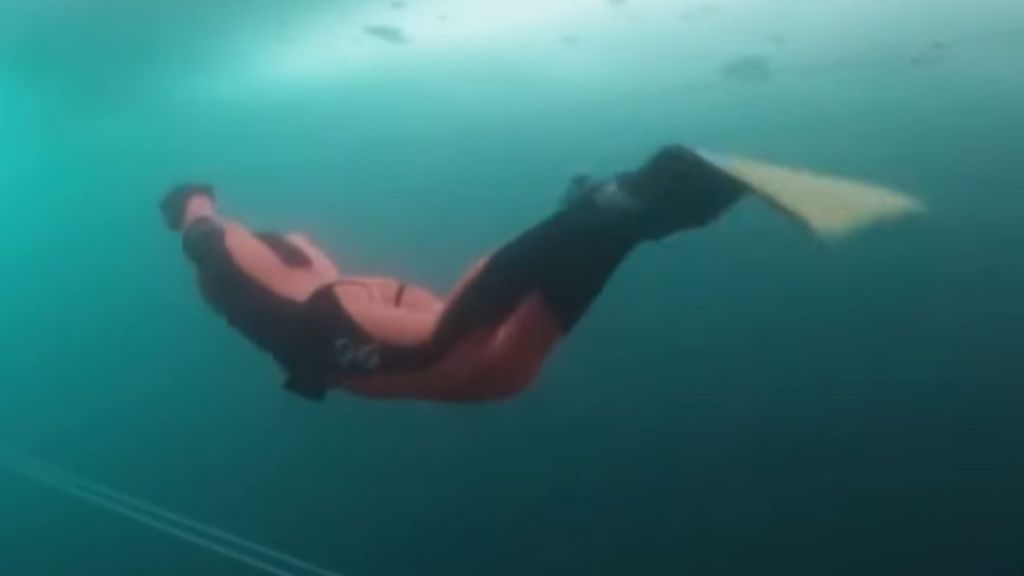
{"points": [[321, 263], [217, 246]]}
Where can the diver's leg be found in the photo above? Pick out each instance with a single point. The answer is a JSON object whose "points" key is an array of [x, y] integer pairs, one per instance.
{"points": [[569, 257]]}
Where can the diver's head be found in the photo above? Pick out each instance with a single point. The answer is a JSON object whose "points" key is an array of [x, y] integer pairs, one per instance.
{"points": [[185, 203]]}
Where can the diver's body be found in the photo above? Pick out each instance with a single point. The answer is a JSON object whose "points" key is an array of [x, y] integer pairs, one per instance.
{"points": [[486, 340]]}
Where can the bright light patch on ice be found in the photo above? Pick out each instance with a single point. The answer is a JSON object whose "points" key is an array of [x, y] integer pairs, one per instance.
{"points": [[588, 36]]}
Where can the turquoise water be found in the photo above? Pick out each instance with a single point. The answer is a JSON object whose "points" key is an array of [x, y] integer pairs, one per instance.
{"points": [[741, 401]]}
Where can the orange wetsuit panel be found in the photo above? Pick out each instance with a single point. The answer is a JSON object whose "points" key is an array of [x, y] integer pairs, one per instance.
{"points": [[489, 364]]}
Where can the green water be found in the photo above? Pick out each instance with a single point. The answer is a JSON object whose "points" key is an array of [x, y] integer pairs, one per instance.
{"points": [[741, 401]]}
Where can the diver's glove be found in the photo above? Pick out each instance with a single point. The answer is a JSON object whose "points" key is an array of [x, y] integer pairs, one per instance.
{"points": [[175, 203]]}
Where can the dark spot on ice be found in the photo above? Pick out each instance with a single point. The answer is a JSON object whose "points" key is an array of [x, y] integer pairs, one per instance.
{"points": [[570, 40], [397, 5], [389, 34], [750, 69], [700, 12], [933, 54], [617, 2]]}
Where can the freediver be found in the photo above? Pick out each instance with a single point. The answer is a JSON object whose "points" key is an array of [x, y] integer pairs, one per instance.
{"points": [[387, 339]]}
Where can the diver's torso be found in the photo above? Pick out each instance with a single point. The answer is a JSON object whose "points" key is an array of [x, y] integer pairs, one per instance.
{"points": [[262, 317], [251, 306]]}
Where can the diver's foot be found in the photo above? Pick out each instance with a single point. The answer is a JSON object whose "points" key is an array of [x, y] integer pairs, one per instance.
{"points": [[675, 190]]}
